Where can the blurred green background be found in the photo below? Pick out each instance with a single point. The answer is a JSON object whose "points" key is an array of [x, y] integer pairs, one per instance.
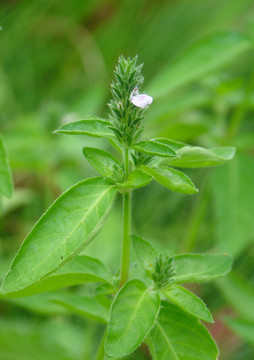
{"points": [[56, 63]]}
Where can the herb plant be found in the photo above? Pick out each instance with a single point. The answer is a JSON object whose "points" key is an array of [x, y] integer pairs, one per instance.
{"points": [[152, 307]]}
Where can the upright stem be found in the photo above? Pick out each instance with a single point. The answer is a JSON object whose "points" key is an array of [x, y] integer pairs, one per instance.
{"points": [[126, 245], [101, 353]]}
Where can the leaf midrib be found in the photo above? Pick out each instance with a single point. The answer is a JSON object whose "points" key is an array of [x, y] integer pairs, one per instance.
{"points": [[200, 274], [167, 340], [67, 238], [134, 314]]}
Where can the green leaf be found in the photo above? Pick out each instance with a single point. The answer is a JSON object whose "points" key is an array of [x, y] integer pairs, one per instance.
{"points": [[195, 156], [83, 305], [152, 147], [175, 145], [105, 289], [179, 336], [133, 314], [145, 252], [201, 267], [6, 186], [95, 127], [202, 58], [62, 232], [172, 179], [103, 162], [136, 179], [188, 302], [80, 270], [239, 293], [244, 328]]}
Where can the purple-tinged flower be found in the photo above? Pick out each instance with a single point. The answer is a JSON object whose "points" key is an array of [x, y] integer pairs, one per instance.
{"points": [[140, 100]]}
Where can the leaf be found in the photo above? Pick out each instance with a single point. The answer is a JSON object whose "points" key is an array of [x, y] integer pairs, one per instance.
{"points": [[80, 270], [243, 327], [201, 267], [145, 252], [152, 147], [62, 232], [6, 186], [188, 302], [172, 179], [195, 156], [133, 314], [179, 336], [95, 127], [239, 294], [136, 179], [203, 57], [103, 162], [175, 145], [105, 289], [86, 306]]}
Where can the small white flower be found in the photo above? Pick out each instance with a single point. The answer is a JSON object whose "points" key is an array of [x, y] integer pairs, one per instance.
{"points": [[140, 100]]}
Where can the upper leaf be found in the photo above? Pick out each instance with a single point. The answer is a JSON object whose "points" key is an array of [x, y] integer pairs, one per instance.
{"points": [[175, 145], [145, 252], [133, 314], [201, 267], [201, 58], [136, 179], [6, 186], [172, 179], [195, 156], [80, 270], [95, 127], [188, 302], [103, 162], [62, 232], [179, 336], [152, 147]]}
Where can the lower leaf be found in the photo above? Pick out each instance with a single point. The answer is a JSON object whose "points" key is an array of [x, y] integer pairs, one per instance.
{"points": [[83, 305], [62, 232], [133, 314], [178, 336], [80, 270], [188, 302]]}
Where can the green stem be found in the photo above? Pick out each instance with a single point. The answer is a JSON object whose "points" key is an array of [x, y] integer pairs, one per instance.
{"points": [[126, 246], [101, 353], [126, 161]]}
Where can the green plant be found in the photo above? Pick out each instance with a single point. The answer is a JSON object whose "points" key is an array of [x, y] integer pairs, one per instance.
{"points": [[156, 310], [6, 186]]}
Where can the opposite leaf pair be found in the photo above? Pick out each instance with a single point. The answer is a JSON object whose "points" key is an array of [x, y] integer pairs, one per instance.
{"points": [[165, 317]]}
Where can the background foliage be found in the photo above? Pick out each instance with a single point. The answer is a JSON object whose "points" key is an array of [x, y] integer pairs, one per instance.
{"points": [[56, 63]]}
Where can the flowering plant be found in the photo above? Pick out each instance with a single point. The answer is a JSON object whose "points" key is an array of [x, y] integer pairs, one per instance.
{"points": [[151, 307]]}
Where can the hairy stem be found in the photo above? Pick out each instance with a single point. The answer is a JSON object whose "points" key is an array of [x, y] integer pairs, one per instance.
{"points": [[126, 245]]}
